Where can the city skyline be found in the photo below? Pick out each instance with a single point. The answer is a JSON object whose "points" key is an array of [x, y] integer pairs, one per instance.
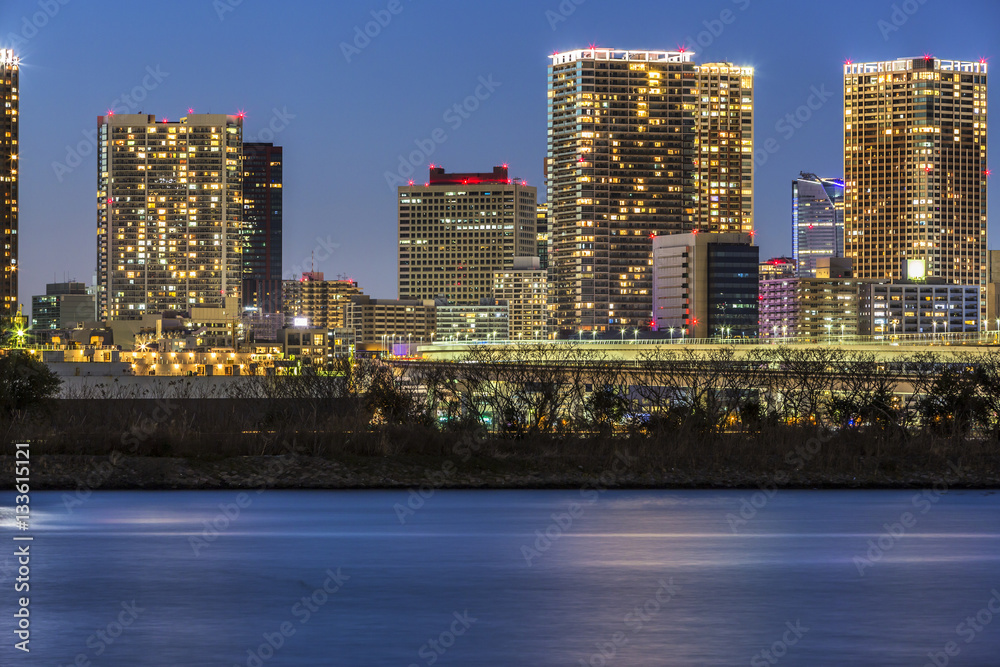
{"points": [[798, 111]]}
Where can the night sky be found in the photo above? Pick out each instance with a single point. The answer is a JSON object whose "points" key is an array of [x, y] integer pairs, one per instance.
{"points": [[346, 119]]}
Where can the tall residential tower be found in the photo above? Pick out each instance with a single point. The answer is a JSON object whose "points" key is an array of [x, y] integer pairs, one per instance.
{"points": [[915, 169], [261, 230], [169, 211], [8, 179], [640, 144]]}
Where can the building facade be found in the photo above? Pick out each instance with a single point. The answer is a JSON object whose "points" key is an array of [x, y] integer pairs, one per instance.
{"points": [[63, 306], [485, 322], [322, 302], [827, 308], [817, 221], [262, 224], [308, 345], [542, 234], [169, 211], [640, 144], [899, 307], [10, 97], [777, 267], [705, 285], [381, 324], [992, 307], [915, 169], [459, 229], [525, 291]]}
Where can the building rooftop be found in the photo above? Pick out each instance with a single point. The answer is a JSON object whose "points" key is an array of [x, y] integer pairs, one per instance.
{"points": [[438, 176], [904, 64], [594, 53]]}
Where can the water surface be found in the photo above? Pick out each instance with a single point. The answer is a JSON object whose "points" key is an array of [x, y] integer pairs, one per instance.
{"points": [[470, 578]]}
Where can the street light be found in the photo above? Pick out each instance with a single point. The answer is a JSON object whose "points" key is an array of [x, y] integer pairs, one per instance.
{"points": [[635, 338], [409, 340], [671, 334], [828, 327], [841, 333]]}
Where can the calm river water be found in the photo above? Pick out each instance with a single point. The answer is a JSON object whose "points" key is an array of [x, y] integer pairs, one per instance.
{"points": [[510, 578]]}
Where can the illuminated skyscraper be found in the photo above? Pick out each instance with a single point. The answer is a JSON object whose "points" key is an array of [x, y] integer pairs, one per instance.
{"points": [[459, 229], [640, 144], [8, 179], [817, 221], [261, 230], [169, 212], [915, 169]]}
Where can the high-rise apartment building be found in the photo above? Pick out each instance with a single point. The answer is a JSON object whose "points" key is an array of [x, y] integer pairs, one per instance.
{"points": [[915, 169], [640, 144], [459, 229], [9, 68], [169, 212], [261, 230], [817, 220]]}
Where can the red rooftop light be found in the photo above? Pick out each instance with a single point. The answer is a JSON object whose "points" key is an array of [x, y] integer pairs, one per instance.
{"points": [[190, 110], [848, 61], [111, 112], [928, 56], [986, 172]]}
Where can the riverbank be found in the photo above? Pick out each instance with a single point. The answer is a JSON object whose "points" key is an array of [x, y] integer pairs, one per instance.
{"points": [[122, 472]]}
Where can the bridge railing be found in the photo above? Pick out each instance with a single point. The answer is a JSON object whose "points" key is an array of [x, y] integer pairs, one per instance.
{"points": [[953, 338]]}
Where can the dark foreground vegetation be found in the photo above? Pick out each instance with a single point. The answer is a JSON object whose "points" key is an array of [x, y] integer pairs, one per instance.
{"points": [[522, 417]]}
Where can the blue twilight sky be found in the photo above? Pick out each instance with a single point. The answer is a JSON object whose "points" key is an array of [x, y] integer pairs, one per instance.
{"points": [[345, 120]]}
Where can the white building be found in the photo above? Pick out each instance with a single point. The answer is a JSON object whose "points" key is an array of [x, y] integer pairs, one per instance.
{"points": [[916, 308]]}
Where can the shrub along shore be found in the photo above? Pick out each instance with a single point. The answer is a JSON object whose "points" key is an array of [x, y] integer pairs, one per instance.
{"points": [[517, 418]]}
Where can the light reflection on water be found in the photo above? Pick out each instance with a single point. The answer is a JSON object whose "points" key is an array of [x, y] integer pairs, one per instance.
{"points": [[795, 560]]}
